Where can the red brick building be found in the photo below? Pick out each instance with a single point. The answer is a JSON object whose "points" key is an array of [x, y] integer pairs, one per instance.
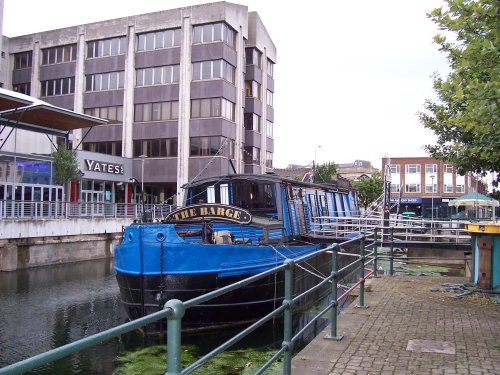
{"points": [[425, 185]]}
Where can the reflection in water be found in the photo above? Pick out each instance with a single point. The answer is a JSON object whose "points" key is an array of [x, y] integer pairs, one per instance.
{"points": [[46, 307]]}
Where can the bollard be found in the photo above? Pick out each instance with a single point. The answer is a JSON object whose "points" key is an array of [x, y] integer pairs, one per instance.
{"points": [[375, 239], [362, 274], [287, 318], [174, 336], [334, 312], [391, 254]]}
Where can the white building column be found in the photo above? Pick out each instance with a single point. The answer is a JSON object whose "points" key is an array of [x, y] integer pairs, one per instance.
{"points": [[239, 113], [79, 82], [128, 100], [184, 108]]}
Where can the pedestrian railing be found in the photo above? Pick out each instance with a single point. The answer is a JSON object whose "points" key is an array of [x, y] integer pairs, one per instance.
{"points": [[403, 230], [52, 210], [365, 261]]}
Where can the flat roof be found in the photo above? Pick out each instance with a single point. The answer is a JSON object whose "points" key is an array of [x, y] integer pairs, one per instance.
{"points": [[25, 112]]}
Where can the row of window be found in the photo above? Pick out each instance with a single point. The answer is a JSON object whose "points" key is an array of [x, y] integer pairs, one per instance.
{"points": [[159, 75], [199, 146], [113, 114], [213, 107], [415, 168], [168, 147], [160, 111], [214, 69], [429, 188], [218, 32]]}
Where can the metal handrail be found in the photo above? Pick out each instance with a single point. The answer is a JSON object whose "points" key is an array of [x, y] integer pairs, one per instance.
{"points": [[174, 311]]}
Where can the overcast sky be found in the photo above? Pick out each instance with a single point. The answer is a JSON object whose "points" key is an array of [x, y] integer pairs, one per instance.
{"points": [[350, 76]]}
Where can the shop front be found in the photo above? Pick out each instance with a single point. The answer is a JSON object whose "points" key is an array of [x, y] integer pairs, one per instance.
{"points": [[102, 179]]}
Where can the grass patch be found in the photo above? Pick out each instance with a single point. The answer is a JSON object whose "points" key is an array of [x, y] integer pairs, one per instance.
{"points": [[153, 361]]}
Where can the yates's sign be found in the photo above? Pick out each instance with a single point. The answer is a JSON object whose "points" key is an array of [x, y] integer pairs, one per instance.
{"points": [[199, 212], [102, 167]]}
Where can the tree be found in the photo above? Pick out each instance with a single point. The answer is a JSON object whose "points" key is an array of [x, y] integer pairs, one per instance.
{"points": [[325, 172], [369, 189], [466, 117], [65, 165]]}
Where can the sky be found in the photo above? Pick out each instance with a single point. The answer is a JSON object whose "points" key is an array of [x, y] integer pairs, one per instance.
{"points": [[350, 76]]}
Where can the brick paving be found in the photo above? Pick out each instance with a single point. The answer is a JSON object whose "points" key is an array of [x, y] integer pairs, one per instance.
{"points": [[412, 326]]}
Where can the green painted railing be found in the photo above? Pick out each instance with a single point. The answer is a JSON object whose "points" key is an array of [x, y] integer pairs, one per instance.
{"points": [[174, 311]]}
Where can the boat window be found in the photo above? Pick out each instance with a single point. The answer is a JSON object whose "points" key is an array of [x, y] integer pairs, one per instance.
{"points": [[324, 206], [224, 193], [211, 194], [314, 207]]}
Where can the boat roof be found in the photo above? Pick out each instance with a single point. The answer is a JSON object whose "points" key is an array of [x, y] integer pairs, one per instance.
{"points": [[271, 177]]}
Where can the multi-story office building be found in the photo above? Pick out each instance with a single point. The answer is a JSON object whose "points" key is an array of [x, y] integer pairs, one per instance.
{"points": [[187, 93], [425, 185]]}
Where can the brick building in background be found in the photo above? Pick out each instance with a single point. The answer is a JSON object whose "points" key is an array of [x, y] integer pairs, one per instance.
{"points": [[424, 184]]}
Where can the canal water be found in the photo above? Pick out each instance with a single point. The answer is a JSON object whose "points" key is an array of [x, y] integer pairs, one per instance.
{"points": [[47, 307]]}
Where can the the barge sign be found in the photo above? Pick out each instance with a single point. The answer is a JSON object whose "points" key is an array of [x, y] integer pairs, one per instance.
{"points": [[198, 212]]}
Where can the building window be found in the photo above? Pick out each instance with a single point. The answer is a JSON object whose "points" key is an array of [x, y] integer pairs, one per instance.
{"points": [[114, 114], [412, 188], [109, 148], [60, 86], [252, 89], [270, 68], [447, 188], [210, 146], [269, 129], [159, 75], [430, 168], [162, 147], [159, 111], [252, 122], [59, 54], [395, 188], [460, 188], [216, 69], [412, 168], [448, 168], [23, 60], [253, 57], [269, 98], [23, 88], [215, 32], [430, 188], [105, 81], [394, 168], [269, 159], [159, 40], [252, 155], [106, 47], [213, 107]]}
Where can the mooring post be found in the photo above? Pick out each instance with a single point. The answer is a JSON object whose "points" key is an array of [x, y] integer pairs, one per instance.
{"points": [[334, 311], [375, 239], [174, 336], [287, 317], [391, 254]]}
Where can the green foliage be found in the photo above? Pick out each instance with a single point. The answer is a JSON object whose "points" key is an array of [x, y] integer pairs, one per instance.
{"points": [[324, 172], [65, 165], [152, 361], [466, 117], [369, 189]]}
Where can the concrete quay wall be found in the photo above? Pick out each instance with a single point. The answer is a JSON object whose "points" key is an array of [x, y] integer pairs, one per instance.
{"points": [[25, 244]]}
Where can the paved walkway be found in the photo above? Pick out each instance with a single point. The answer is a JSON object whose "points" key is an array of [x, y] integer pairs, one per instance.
{"points": [[413, 326]]}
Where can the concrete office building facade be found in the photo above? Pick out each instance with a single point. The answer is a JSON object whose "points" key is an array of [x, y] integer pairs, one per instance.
{"points": [[188, 92]]}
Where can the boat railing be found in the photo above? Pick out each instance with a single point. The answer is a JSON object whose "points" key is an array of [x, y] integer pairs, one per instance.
{"points": [[365, 261]]}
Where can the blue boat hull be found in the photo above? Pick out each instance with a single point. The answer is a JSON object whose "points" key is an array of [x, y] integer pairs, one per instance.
{"points": [[154, 264]]}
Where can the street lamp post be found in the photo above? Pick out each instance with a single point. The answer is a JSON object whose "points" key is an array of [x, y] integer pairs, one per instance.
{"points": [[142, 177], [432, 198]]}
